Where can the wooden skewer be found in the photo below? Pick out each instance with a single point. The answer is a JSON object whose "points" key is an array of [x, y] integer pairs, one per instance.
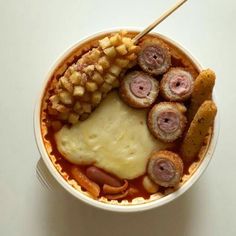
{"points": [[158, 21]]}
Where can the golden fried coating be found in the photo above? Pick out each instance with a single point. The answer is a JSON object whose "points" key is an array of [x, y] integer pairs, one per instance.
{"points": [[197, 131], [202, 91]]}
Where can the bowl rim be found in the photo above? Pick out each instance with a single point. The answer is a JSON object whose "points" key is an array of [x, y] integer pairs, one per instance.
{"points": [[86, 199]]}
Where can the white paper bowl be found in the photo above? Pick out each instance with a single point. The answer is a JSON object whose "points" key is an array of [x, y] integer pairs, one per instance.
{"points": [[106, 206]]}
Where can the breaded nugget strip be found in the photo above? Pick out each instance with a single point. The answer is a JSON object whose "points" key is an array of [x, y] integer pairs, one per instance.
{"points": [[202, 91], [197, 131]]}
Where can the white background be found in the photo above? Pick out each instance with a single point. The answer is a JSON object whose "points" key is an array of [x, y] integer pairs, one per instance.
{"points": [[32, 35]]}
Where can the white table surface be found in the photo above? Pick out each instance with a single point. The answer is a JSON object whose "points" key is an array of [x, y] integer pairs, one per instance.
{"points": [[32, 35]]}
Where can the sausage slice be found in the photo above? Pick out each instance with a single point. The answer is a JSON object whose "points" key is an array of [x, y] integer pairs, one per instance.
{"points": [[154, 57], [177, 85], [166, 121], [165, 168], [138, 89]]}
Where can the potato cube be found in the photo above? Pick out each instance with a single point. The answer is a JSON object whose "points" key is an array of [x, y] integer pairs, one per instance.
{"points": [[54, 99], [66, 98], [66, 84], [123, 32], [121, 62], [91, 86], [75, 78], [109, 78], [94, 54], [84, 116], [78, 91], [87, 107], [56, 125], [104, 43], [121, 49], [110, 52], [89, 70], [63, 116], [105, 88], [96, 97], [127, 41], [99, 68], [73, 118], [97, 78], [84, 79], [133, 48], [115, 70], [104, 62], [115, 40], [77, 107], [131, 57]]}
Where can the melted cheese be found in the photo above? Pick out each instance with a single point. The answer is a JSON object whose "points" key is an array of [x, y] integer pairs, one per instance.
{"points": [[115, 138]]}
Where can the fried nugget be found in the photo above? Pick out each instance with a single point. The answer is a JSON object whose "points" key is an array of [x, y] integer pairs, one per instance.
{"points": [[202, 91], [197, 131]]}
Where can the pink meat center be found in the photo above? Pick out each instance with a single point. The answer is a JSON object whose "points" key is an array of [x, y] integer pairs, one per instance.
{"points": [[154, 56], [168, 121], [179, 84], [164, 170], [140, 87]]}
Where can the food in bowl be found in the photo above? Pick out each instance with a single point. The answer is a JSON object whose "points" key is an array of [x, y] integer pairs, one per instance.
{"points": [[124, 123]]}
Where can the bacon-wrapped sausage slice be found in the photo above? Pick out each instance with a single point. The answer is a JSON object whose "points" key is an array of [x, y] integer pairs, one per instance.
{"points": [[154, 57], [166, 122], [165, 168], [138, 89], [177, 85]]}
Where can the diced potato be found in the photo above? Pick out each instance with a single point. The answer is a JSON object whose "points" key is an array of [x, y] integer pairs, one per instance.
{"points": [[96, 97], [97, 78], [115, 70], [149, 185], [63, 116], [66, 98], [73, 118], [122, 49], [84, 79], [84, 116], [86, 107], [123, 32], [133, 49], [116, 40], [75, 78], [110, 52], [77, 107], [78, 91], [99, 68], [104, 62], [105, 88], [104, 43], [66, 84], [89, 69], [91, 86], [54, 99], [94, 54], [127, 41], [131, 57], [122, 62], [109, 78], [56, 125]]}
